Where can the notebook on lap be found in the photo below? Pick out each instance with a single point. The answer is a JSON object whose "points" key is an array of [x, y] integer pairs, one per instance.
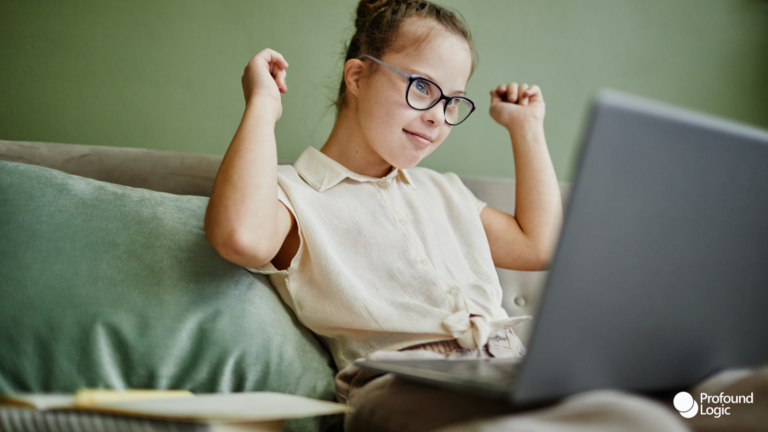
{"points": [[660, 276]]}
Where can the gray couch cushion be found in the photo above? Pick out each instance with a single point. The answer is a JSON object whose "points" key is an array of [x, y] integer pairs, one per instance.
{"points": [[177, 173]]}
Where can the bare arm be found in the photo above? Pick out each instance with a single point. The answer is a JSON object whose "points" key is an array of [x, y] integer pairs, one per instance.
{"points": [[527, 240], [244, 220]]}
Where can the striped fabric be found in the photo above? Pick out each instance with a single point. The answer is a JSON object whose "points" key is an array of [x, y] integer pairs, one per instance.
{"points": [[14, 419], [450, 348], [504, 344]]}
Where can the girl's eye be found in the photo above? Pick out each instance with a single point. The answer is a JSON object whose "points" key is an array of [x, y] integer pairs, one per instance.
{"points": [[421, 86]]}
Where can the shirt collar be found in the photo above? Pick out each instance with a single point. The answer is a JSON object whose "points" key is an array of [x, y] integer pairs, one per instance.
{"points": [[322, 173]]}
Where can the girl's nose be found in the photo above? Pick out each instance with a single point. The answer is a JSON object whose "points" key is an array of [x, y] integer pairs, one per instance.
{"points": [[436, 114]]}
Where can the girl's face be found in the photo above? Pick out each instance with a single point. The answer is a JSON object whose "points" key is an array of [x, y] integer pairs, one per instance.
{"points": [[388, 122]]}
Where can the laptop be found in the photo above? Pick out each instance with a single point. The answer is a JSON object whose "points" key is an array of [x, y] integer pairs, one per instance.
{"points": [[660, 275]]}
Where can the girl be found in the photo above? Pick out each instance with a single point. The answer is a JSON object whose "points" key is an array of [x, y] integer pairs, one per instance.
{"points": [[372, 253]]}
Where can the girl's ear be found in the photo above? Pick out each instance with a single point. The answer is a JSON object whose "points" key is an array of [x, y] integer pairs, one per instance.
{"points": [[353, 75]]}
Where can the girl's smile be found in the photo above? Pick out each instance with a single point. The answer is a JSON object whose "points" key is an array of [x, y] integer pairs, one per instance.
{"points": [[423, 139]]}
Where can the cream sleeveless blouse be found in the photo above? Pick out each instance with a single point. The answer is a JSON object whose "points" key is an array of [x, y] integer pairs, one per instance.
{"points": [[386, 263]]}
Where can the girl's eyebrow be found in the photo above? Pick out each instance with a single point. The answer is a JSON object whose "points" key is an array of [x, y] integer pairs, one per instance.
{"points": [[459, 92]]}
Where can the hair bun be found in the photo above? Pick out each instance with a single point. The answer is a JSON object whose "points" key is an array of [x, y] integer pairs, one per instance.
{"points": [[366, 9]]}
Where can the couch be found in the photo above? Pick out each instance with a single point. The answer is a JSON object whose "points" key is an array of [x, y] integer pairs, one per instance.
{"points": [[107, 280]]}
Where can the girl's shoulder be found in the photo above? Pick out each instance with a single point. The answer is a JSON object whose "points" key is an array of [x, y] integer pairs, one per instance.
{"points": [[287, 170], [288, 174]]}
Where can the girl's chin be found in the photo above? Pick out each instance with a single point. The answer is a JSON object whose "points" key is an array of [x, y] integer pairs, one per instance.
{"points": [[406, 156], [408, 162]]}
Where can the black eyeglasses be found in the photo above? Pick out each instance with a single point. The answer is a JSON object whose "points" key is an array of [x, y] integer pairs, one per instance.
{"points": [[422, 94]]}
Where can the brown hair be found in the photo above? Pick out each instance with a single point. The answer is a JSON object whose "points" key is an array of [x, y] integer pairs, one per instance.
{"points": [[378, 22]]}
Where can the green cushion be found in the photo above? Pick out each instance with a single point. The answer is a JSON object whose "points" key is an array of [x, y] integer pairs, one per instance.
{"points": [[110, 286]]}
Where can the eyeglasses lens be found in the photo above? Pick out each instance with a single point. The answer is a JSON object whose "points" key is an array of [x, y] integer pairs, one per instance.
{"points": [[423, 94]]}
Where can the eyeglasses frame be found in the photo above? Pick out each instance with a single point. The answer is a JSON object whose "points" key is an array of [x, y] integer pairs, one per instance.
{"points": [[413, 77]]}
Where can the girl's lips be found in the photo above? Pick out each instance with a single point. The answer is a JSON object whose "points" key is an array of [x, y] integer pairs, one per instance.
{"points": [[423, 141]]}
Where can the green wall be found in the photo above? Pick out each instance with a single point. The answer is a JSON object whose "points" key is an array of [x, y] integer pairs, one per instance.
{"points": [[165, 74]]}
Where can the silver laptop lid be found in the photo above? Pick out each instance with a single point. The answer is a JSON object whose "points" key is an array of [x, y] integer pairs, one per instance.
{"points": [[660, 277]]}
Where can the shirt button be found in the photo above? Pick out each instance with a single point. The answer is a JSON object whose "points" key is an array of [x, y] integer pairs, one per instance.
{"points": [[402, 222], [520, 301], [383, 184], [423, 262]]}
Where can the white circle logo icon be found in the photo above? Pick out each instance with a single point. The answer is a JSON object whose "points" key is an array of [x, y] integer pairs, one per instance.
{"points": [[686, 405]]}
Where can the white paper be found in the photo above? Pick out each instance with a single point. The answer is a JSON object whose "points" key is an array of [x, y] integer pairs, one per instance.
{"points": [[253, 406]]}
